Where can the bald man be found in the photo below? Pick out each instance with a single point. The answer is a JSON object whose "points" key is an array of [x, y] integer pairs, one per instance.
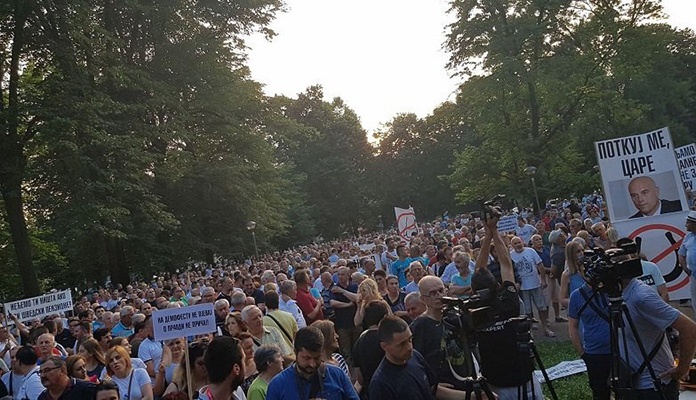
{"points": [[645, 196]]}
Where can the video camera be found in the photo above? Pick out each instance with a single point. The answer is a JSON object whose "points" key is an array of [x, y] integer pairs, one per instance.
{"points": [[604, 270], [472, 314], [492, 207]]}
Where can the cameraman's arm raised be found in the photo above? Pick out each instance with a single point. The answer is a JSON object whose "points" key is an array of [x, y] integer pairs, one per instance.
{"points": [[507, 273]]}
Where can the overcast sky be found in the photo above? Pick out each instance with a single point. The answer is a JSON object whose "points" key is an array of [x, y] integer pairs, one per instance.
{"points": [[382, 57]]}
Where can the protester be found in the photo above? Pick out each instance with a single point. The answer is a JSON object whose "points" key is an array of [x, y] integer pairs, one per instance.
{"points": [[269, 361], [199, 375], [133, 383], [403, 373], [224, 361], [300, 380], [54, 377]]}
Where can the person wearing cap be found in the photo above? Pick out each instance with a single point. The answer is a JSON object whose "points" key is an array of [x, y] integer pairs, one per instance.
{"points": [[687, 254]]}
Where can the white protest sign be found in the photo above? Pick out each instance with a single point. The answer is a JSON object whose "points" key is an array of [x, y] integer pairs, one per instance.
{"points": [[659, 238], [174, 323], [406, 222], [686, 158], [507, 223], [40, 306], [640, 175], [646, 200], [563, 369]]}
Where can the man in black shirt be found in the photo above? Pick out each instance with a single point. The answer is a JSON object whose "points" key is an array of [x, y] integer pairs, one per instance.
{"points": [[54, 376], [403, 373], [343, 298], [504, 366], [367, 353], [435, 341]]}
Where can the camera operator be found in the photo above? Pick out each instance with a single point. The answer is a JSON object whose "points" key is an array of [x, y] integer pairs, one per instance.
{"points": [[652, 316], [507, 367]]}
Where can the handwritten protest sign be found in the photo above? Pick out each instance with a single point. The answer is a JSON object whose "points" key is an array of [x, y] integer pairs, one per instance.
{"points": [[174, 323], [686, 158], [40, 306], [646, 199], [507, 223]]}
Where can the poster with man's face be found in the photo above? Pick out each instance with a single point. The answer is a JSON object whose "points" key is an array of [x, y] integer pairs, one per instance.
{"points": [[646, 199], [640, 176]]}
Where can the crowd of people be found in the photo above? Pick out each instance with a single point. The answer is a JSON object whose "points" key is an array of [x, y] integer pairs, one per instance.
{"points": [[354, 318]]}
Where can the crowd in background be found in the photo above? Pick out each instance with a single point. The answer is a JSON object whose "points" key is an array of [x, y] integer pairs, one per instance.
{"points": [[342, 288]]}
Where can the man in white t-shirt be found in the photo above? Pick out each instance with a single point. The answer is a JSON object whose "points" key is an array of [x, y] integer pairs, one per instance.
{"points": [[524, 230], [530, 275]]}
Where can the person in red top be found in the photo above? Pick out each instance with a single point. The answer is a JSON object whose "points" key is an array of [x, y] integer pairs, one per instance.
{"points": [[311, 308]]}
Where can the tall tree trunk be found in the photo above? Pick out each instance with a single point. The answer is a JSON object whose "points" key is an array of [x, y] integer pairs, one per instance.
{"points": [[12, 166]]}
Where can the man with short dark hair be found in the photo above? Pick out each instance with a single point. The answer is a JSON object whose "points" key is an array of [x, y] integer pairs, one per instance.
{"points": [[310, 307], [150, 350], [224, 361], [309, 377], [24, 381], [403, 373], [54, 377], [281, 320]]}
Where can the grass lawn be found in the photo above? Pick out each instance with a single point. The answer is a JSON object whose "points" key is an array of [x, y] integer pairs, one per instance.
{"points": [[569, 388]]}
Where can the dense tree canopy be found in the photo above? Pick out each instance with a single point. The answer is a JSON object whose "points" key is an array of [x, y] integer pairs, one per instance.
{"points": [[133, 138]]}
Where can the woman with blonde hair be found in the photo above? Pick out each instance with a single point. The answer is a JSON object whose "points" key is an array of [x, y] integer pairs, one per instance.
{"points": [[367, 292], [573, 276], [133, 383], [92, 352]]}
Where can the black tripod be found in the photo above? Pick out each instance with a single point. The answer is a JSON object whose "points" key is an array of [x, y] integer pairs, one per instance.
{"points": [[473, 384], [621, 384], [525, 344]]}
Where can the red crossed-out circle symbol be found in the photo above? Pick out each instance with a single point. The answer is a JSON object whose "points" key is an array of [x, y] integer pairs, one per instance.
{"points": [[408, 220], [680, 281]]}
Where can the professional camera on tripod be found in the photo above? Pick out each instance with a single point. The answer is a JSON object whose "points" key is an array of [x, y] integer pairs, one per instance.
{"points": [[470, 315], [606, 269], [609, 273]]}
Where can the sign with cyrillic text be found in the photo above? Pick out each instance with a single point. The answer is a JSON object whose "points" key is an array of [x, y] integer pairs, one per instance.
{"points": [[640, 176], [173, 323], [40, 306], [646, 199], [686, 158], [507, 223]]}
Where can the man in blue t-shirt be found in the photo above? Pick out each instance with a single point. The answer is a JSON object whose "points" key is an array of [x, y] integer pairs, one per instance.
{"points": [[309, 377], [399, 266]]}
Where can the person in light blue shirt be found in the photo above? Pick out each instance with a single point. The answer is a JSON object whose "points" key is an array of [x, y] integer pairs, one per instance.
{"points": [[687, 254], [399, 266]]}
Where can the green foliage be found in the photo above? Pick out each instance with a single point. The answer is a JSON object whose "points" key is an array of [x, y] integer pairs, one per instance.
{"points": [[549, 78]]}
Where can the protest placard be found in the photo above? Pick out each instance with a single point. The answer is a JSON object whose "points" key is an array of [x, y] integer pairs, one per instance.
{"points": [[406, 222], [507, 223], [640, 176], [174, 323], [646, 199], [40, 306], [686, 158], [563, 369]]}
